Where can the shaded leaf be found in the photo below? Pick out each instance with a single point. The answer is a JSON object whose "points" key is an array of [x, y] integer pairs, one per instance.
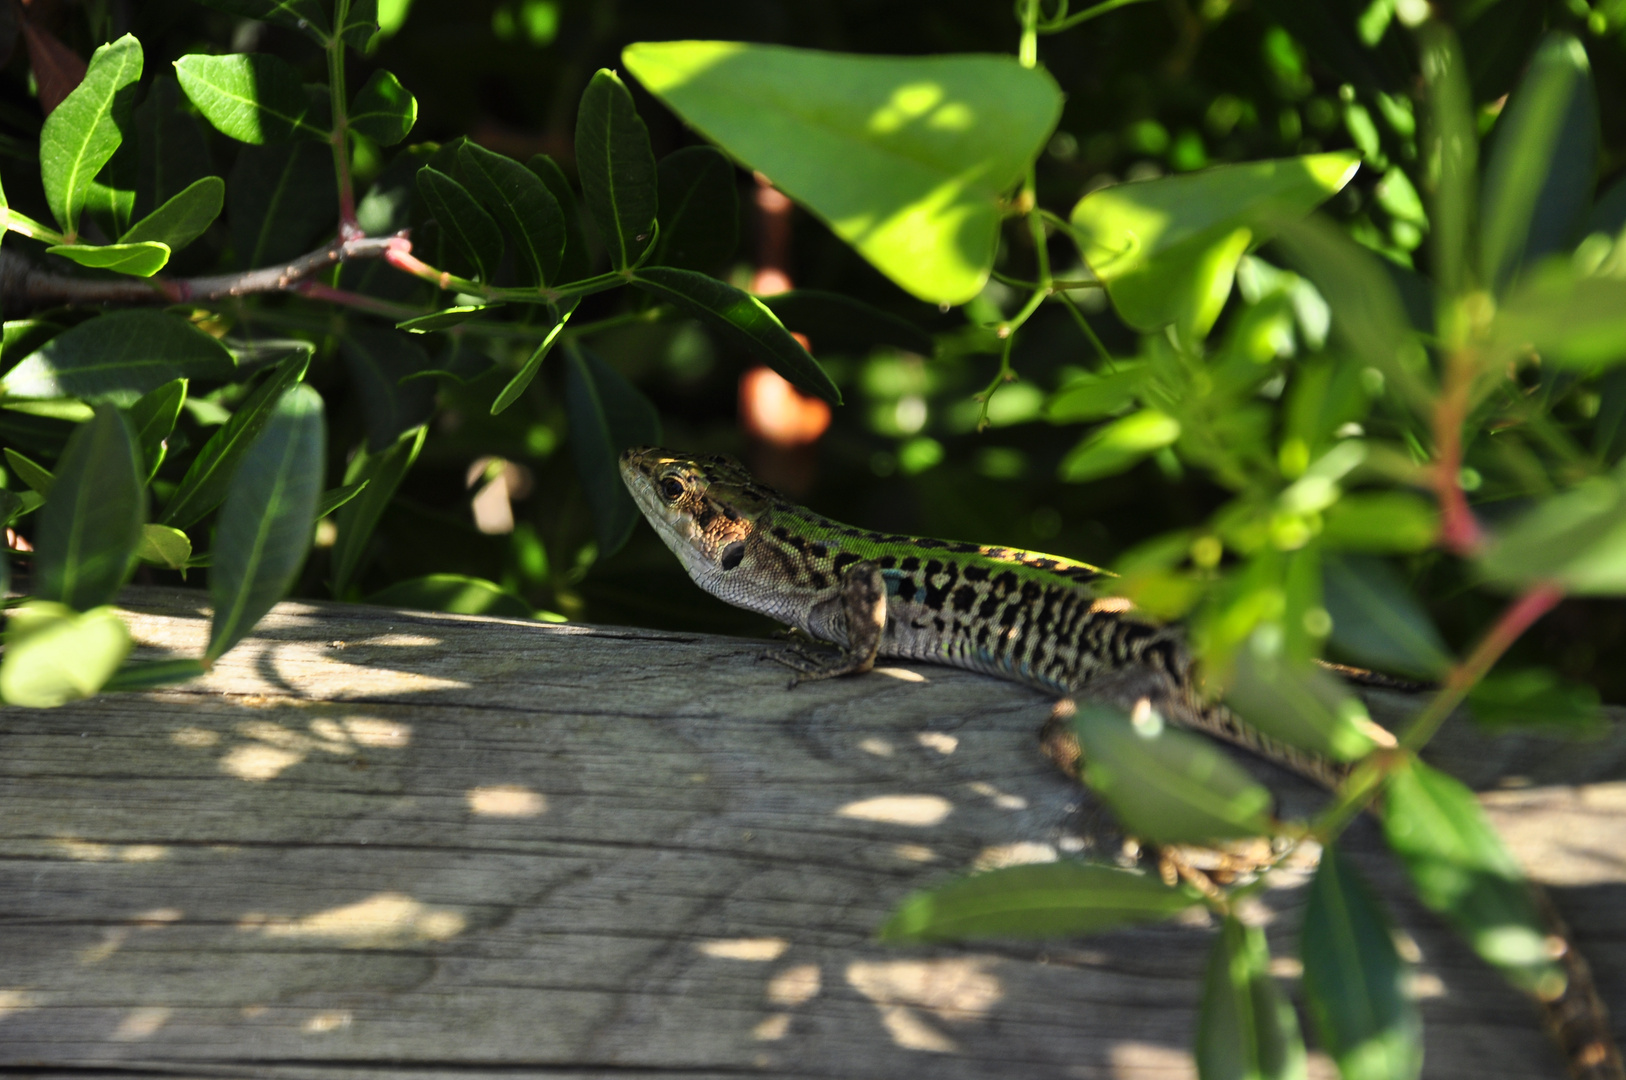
{"points": [[118, 357], [617, 169], [455, 593], [153, 418], [82, 133], [149, 674], [1577, 538], [1168, 786], [907, 159], [1377, 622], [1460, 869], [742, 320], [383, 110], [1246, 1029], [524, 207], [1045, 900], [1450, 150], [255, 98], [309, 16], [1116, 446], [360, 24], [445, 318], [91, 522], [1536, 699], [171, 151], [699, 210], [206, 481], [836, 323], [333, 498], [36, 476], [463, 220], [574, 265], [1355, 983], [280, 199], [378, 360], [1302, 706], [140, 260], [607, 414], [1384, 521], [183, 218], [265, 526], [54, 655], [382, 474], [533, 363]]}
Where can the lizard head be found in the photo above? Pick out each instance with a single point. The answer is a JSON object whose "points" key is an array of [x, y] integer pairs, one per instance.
{"points": [[704, 507]]}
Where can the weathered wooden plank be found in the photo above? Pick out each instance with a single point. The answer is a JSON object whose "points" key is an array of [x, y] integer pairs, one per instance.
{"points": [[372, 840]]}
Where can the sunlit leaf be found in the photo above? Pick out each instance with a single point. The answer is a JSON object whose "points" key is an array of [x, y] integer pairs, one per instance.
{"points": [[907, 159], [1461, 869], [251, 97], [54, 655], [383, 110], [83, 132], [139, 260], [164, 546], [1577, 538], [617, 169], [1097, 394], [1355, 983], [1246, 1029], [1044, 900], [1575, 319], [183, 218], [1117, 446], [445, 319], [118, 357], [455, 593], [533, 363], [91, 522], [607, 414], [265, 526], [153, 418], [1383, 521], [1450, 149]]}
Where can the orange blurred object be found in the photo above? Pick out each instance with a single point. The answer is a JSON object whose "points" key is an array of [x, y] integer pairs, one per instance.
{"points": [[774, 411]]}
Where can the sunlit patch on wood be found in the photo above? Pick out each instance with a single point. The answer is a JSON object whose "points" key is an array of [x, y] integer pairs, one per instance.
{"points": [[937, 740], [901, 674], [758, 950], [795, 985], [878, 747], [258, 763], [916, 853], [507, 800], [323, 1022], [1148, 1059], [194, 737], [955, 990], [916, 811], [997, 797], [1021, 853], [382, 921], [141, 1023], [15, 1000], [772, 1028]]}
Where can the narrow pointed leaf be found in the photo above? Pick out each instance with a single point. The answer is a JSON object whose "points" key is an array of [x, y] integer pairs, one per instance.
{"points": [[383, 110], [381, 473], [205, 485], [1576, 538], [1577, 320], [617, 169], [533, 364], [908, 159], [1355, 983], [54, 655], [743, 321], [1168, 786], [463, 219], [574, 265], [118, 357], [83, 132], [251, 97], [523, 206], [607, 414], [265, 527], [153, 419], [699, 210], [183, 218], [1451, 152], [36, 476], [91, 522], [455, 593], [445, 319], [1114, 447], [164, 546], [1377, 622], [1302, 706], [1381, 521], [1045, 900], [1461, 869], [333, 498], [150, 674], [1247, 1029], [139, 259]]}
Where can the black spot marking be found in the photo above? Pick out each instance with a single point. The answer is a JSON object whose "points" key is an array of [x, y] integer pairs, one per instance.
{"points": [[962, 548], [1005, 583], [990, 608], [1008, 617], [964, 597], [732, 554], [843, 560], [909, 565], [705, 516], [888, 561], [976, 573], [730, 513], [781, 533], [1030, 591], [819, 580], [818, 550], [906, 589], [939, 623], [937, 595]]}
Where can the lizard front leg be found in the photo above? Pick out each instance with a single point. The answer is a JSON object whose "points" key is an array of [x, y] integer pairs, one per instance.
{"points": [[860, 607]]}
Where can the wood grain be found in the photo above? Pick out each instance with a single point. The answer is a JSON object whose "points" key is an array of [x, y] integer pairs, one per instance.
{"points": [[378, 843]]}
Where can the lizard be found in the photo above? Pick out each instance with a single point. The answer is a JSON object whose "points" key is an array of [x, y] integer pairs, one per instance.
{"points": [[1021, 615]]}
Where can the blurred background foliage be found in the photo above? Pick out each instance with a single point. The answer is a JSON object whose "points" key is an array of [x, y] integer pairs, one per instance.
{"points": [[1155, 88]]}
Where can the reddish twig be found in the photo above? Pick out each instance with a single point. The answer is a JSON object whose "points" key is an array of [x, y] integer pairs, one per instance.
{"points": [[1460, 532]]}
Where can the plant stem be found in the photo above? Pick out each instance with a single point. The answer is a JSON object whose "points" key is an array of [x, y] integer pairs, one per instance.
{"points": [[1459, 529], [340, 136]]}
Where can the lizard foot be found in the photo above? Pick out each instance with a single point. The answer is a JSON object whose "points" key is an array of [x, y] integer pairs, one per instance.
{"points": [[811, 666]]}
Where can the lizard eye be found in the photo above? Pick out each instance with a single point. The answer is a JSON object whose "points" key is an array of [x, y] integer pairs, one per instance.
{"points": [[671, 489]]}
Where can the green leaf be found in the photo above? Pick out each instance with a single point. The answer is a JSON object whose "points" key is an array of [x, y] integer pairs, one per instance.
{"points": [[1450, 151], [699, 210], [836, 323], [1543, 163], [1111, 449], [280, 199], [1577, 539], [383, 110], [463, 219], [533, 364], [1537, 700], [153, 418], [1460, 869], [455, 593], [523, 206], [183, 218], [742, 320], [1387, 521], [360, 24], [1097, 394], [379, 362], [908, 159], [117, 357], [37, 477], [1246, 1029], [82, 132], [140, 260], [381, 473], [12, 507], [1573, 319], [1376, 621], [91, 521], [617, 169], [607, 414], [23, 336], [1302, 706], [307, 16], [445, 318], [205, 485], [1168, 786], [150, 674], [1167, 249], [54, 656], [1044, 900], [171, 150], [254, 98], [1355, 983], [265, 526], [164, 546], [574, 267], [333, 498]]}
